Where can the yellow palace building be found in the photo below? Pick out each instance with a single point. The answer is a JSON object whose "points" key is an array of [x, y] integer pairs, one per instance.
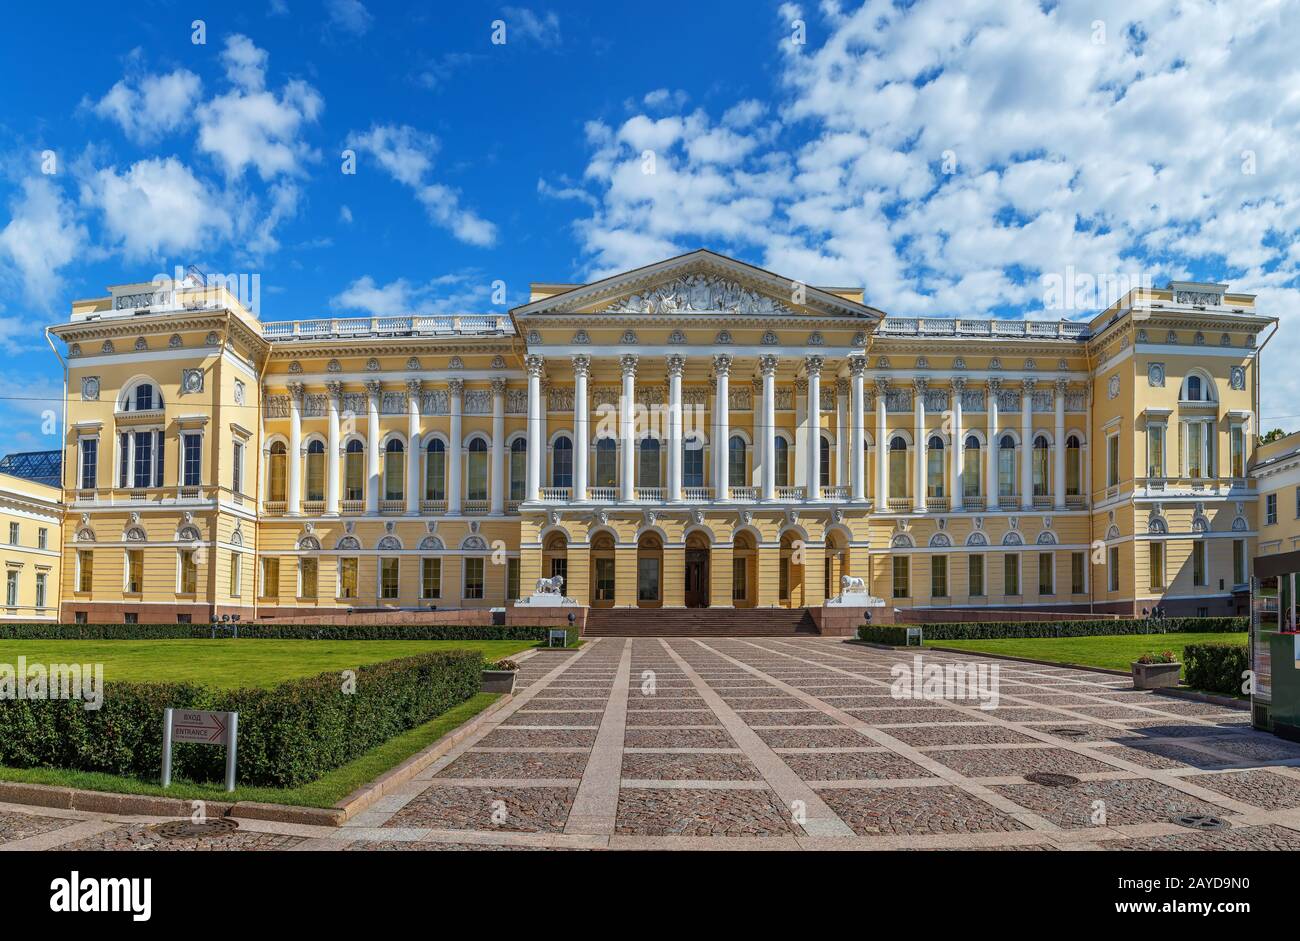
{"points": [[695, 433]]}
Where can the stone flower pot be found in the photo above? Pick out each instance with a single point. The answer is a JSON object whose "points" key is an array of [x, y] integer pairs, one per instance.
{"points": [[1155, 675], [499, 681]]}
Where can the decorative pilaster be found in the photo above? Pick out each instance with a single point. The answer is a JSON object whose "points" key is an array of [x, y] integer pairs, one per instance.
{"points": [[958, 451], [413, 388], [922, 477], [882, 444], [857, 421], [333, 453], [676, 364], [535, 366], [767, 366], [1058, 476], [498, 473], [1026, 444], [373, 390], [991, 457], [814, 366], [456, 396], [721, 424], [843, 451], [295, 449]]}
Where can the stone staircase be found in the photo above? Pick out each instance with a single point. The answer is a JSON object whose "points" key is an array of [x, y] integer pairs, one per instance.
{"points": [[699, 622]]}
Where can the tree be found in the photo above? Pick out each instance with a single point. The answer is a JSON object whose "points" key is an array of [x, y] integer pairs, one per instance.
{"points": [[1273, 435]]}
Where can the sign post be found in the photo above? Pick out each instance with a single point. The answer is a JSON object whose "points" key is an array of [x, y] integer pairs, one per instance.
{"points": [[201, 727]]}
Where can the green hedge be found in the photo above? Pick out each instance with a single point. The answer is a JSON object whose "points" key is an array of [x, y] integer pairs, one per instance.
{"points": [[992, 630], [254, 631], [288, 735], [883, 634], [1217, 668]]}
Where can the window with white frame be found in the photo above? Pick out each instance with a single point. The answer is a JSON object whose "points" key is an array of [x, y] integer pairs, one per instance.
{"points": [[191, 459], [13, 534], [473, 578], [1046, 573], [237, 467], [11, 588], [1112, 460], [1270, 508], [389, 583], [1155, 449], [431, 578], [236, 574], [89, 463], [348, 576], [41, 587], [1200, 577], [1237, 449], [1112, 568]]}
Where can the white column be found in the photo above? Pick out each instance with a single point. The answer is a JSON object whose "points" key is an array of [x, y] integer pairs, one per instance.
{"points": [[991, 457], [756, 433], [767, 365], [857, 446], [581, 436], [721, 424], [455, 405], [882, 444], [498, 473], [1058, 477], [675, 366], [413, 387], [627, 428], [919, 387], [332, 451], [535, 365], [295, 449], [799, 400], [843, 449], [372, 446], [544, 414], [1026, 445], [814, 367], [958, 452]]}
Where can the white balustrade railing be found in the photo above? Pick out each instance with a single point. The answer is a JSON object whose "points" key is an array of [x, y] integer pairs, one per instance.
{"points": [[387, 326]]}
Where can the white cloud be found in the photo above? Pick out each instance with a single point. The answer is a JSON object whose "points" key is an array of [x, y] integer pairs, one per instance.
{"points": [[523, 23], [42, 236], [153, 106], [408, 156], [345, 215], [155, 208], [464, 292], [350, 16]]}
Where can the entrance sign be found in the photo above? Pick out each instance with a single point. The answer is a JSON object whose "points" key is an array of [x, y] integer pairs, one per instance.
{"points": [[202, 727]]}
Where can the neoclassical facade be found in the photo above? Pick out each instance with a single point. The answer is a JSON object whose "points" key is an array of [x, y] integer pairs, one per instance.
{"points": [[697, 432]]}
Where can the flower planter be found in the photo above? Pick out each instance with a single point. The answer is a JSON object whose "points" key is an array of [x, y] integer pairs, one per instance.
{"points": [[1155, 675], [499, 681]]}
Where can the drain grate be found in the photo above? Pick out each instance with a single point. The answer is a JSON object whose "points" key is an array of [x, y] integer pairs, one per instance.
{"points": [[1200, 822], [1069, 733], [1051, 779], [196, 830]]}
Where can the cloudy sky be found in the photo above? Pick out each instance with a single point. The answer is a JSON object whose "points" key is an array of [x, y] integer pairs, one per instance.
{"points": [[952, 158]]}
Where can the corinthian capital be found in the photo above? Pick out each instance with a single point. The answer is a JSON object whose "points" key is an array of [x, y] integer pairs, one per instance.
{"points": [[721, 365], [995, 386], [456, 387], [582, 365], [857, 365], [335, 389], [296, 390], [767, 365], [675, 365], [499, 386], [413, 386], [535, 365], [882, 387], [628, 363], [814, 365]]}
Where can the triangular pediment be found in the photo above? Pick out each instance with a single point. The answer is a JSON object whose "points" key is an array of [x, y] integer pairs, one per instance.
{"points": [[701, 282]]}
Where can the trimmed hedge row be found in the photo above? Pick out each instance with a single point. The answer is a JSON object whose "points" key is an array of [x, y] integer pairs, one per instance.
{"points": [[1217, 668], [883, 634], [254, 631], [288, 735], [993, 630]]}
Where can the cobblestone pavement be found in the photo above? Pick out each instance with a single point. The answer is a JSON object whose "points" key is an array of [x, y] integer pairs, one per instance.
{"points": [[796, 743]]}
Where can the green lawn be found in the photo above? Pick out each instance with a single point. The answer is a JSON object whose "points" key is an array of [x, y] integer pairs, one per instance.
{"points": [[323, 792], [1112, 652], [229, 664]]}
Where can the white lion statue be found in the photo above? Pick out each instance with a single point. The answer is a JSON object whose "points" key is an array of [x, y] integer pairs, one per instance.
{"points": [[550, 586], [851, 583]]}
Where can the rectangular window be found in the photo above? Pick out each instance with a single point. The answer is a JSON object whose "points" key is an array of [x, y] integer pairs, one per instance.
{"points": [[1198, 564], [975, 576], [476, 473], [1046, 573], [739, 579], [348, 572], [647, 579], [692, 463], [1238, 439], [1078, 573], [192, 460], [143, 474], [13, 534], [388, 579], [1011, 574], [604, 579], [1156, 556], [1297, 504], [270, 578], [1155, 450], [236, 574], [1006, 471], [11, 588], [1270, 508], [1112, 461], [131, 617], [939, 576], [431, 578], [40, 589], [89, 463], [902, 576], [308, 576], [1195, 447], [189, 574], [237, 467], [1112, 568], [512, 579], [473, 579], [42, 538], [1238, 562], [934, 471], [606, 467], [135, 571], [85, 569], [123, 459]]}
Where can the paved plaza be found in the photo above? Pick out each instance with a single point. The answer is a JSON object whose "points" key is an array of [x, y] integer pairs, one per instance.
{"points": [[797, 743]]}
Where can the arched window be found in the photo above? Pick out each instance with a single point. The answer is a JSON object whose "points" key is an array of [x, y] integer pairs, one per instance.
{"points": [[1040, 466], [476, 470], [316, 470], [277, 472], [897, 467], [1198, 387], [562, 463], [782, 462], [518, 468], [435, 470], [394, 470], [648, 463], [1193, 388], [692, 462], [1073, 466], [824, 463], [144, 396], [354, 471], [971, 467], [606, 463], [736, 461], [1007, 466], [934, 468]]}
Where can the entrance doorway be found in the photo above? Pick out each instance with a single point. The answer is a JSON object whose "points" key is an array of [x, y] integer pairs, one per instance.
{"points": [[697, 578]]}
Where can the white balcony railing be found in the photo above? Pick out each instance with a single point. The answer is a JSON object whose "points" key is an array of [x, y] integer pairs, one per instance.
{"points": [[650, 494], [835, 493], [789, 493], [602, 494], [557, 494], [444, 325], [697, 494], [743, 493]]}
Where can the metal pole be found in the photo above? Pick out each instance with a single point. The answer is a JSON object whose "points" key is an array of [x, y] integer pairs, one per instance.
{"points": [[167, 748], [230, 750]]}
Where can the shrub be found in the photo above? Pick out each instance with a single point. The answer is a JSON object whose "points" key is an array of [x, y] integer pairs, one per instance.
{"points": [[288, 735], [992, 630], [253, 631], [1217, 668], [1165, 656], [503, 665], [884, 634]]}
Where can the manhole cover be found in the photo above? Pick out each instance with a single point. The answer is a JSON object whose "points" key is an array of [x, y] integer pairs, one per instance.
{"points": [[1051, 779], [1200, 822], [1069, 733], [192, 830]]}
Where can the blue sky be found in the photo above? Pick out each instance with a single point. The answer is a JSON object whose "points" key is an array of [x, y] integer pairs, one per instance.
{"points": [[952, 158]]}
